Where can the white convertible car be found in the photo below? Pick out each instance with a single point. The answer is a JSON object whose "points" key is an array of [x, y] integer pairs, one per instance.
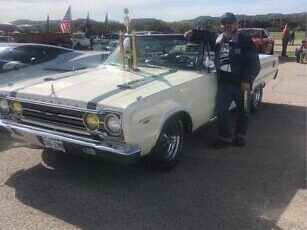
{"points": [[139, 104]]}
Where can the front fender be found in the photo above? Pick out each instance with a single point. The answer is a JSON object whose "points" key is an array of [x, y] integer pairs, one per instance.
{"points": [[144, 121]]}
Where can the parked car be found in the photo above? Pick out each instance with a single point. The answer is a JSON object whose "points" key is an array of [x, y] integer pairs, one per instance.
{"points": [[38, 60], [139, 104], [112, 45], [5, 39], [262, 39], [107, 39], [80, 41]]}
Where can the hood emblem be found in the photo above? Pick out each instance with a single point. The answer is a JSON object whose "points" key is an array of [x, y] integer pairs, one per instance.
{"points": [[53, 94]]}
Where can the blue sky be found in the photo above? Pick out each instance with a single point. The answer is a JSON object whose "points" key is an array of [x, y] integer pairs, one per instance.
{"points": [[168, 10]]}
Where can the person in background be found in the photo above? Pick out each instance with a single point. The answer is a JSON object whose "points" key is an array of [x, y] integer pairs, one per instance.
{"points": [[285, 40], [292, 38]]}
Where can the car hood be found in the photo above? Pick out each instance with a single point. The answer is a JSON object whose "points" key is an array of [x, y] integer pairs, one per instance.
{"points": [[96, 88]]}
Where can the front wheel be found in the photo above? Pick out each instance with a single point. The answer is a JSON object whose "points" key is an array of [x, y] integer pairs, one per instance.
{"points": [[168, 149], [256, 99]]}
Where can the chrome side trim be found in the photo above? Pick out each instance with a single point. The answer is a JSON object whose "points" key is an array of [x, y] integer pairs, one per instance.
{"points": [[120, 150]]}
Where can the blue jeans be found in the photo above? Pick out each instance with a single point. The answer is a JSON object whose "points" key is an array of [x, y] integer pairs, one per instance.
{"points": [[227, 93]]}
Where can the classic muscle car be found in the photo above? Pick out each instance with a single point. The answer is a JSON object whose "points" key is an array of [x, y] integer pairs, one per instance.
{"points": [[150, 92]]}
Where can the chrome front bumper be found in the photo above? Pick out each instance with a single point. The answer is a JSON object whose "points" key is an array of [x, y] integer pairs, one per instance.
{"points": [[109, 151]]}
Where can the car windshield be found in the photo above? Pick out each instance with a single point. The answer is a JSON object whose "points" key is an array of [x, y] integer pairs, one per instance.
{"points": [[171, 51]]}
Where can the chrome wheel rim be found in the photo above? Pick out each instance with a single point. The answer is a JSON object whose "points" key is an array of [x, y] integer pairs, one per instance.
{"points": [[171, 141]]}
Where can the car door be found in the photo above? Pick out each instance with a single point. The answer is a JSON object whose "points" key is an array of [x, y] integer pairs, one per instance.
{"points": [[202, 93]]}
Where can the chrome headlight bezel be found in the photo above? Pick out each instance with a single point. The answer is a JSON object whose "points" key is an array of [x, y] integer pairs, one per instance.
{"points": [[117, 131], [4, 106]]}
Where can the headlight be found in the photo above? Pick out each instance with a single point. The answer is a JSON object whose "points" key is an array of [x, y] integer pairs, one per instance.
{"points": [[4, 107], [17, 107], [112, 124], [91, 121]]}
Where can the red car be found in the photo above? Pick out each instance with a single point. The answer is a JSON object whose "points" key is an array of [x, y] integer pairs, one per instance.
{"points": [[262, 39]]}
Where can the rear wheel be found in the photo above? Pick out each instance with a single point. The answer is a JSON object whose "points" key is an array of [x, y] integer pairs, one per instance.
{"points": [[256, 99], [168, 149]]}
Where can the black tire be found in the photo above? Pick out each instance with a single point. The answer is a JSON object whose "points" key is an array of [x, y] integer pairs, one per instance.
{"points": [[168, 150], [256, 99]]}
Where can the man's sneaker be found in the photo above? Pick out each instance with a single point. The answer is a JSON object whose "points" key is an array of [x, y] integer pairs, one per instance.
{"points": [[239, 141], [222, 143]]}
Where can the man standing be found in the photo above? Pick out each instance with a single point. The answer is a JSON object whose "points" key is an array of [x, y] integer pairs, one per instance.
{"points": [[237, 63], [285, 40]]}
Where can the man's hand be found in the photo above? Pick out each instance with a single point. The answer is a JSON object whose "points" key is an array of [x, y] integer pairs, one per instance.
{"points": [[188, 35], [245, 86]]}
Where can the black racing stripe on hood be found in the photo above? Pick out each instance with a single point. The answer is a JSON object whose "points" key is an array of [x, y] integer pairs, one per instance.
{"points": [[131, 85], [91, 106], [93, 103]]}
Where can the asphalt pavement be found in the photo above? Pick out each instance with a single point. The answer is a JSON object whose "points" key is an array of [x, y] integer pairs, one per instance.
{"points": [[261, 186]]}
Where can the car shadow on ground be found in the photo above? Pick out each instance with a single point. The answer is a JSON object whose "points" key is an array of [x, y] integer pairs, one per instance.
{"points": [[286, 59], [235, 188], [5, 141]]}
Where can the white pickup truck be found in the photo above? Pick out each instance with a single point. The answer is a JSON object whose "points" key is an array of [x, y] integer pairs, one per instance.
{"points": [[121, 111], [80, 41]]}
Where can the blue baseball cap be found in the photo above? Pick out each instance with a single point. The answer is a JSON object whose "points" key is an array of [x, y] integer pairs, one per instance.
{"points": [[228, 18]]}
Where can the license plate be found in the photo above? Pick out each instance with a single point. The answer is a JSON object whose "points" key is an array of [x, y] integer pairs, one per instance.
{"points": [[53, 144]]}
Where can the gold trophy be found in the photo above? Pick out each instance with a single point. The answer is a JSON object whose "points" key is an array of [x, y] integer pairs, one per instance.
{"points": [[132, 53], [122, 50]]}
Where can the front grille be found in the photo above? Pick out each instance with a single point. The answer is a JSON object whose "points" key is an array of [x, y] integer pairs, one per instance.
{"points": [[63, 119], [54, 118]]}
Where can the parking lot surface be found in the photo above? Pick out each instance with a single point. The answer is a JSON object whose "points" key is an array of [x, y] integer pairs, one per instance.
{"points": [[261, 186]]}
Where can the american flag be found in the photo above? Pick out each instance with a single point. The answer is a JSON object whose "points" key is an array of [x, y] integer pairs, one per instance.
{"points": [[65, 24]]}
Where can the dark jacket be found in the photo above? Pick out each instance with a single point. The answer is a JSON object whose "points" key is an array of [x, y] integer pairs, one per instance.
{"points": [[243, 58]]}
